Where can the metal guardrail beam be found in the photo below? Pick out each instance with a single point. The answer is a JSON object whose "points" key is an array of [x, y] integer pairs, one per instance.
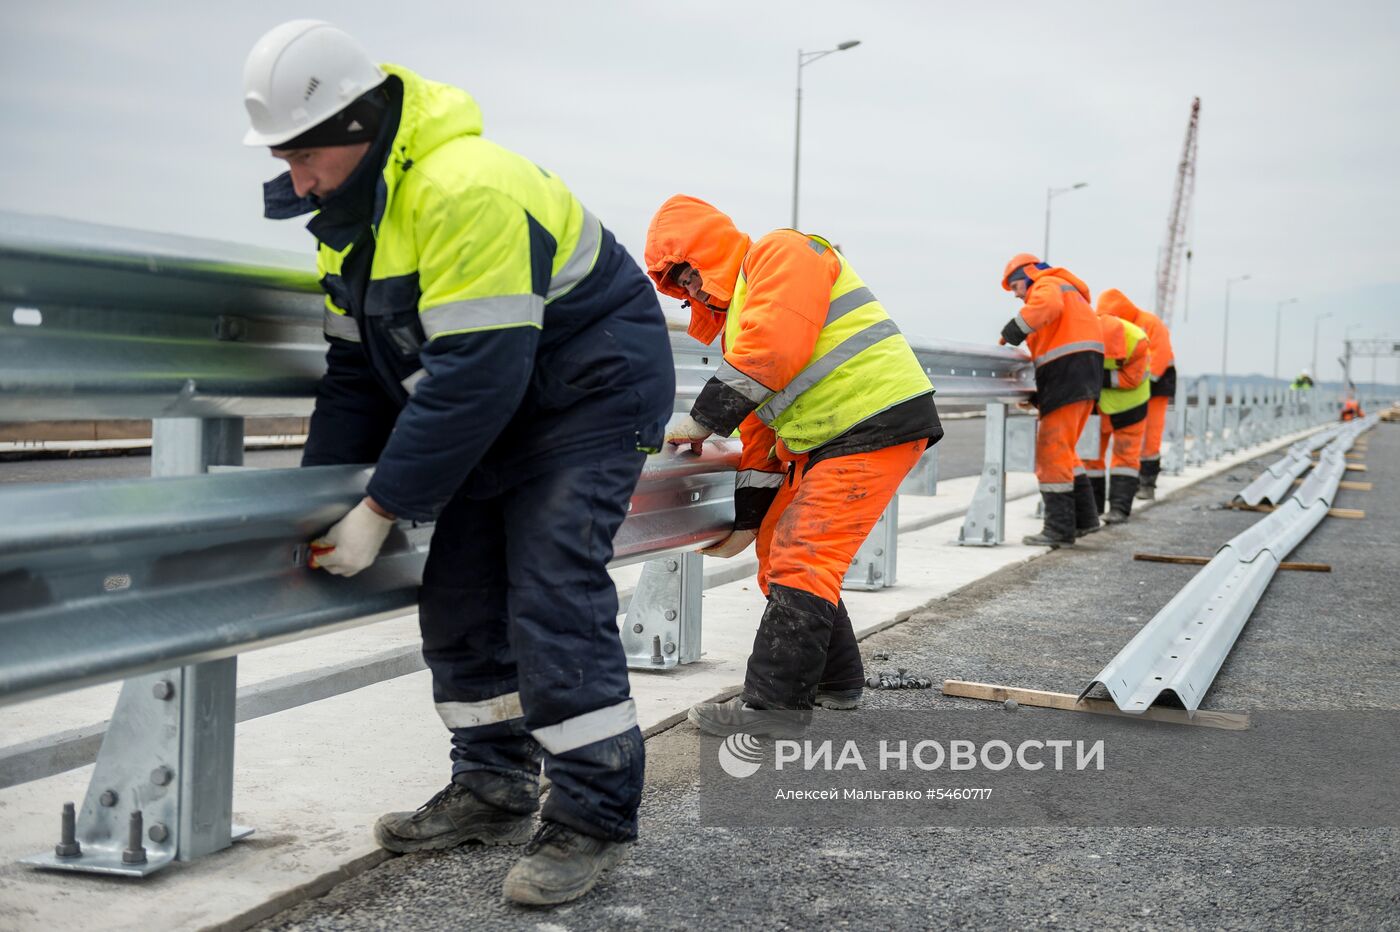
{"points": [[1274, 484], [107, 580], [1184, 645]]}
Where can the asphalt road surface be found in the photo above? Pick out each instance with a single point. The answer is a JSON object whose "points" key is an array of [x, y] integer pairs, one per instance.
{"points": [[1315, 641]]}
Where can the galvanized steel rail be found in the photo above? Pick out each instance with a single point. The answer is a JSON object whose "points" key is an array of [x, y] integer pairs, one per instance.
{"points": [[1181, 649]]}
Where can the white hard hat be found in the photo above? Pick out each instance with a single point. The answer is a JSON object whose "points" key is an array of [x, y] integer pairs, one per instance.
{"points": [[299, 74], [1307, 372]]}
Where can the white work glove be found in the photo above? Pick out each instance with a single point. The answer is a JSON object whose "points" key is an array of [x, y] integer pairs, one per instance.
{"points": [[352, 543], [733, 545], [688, 431]]}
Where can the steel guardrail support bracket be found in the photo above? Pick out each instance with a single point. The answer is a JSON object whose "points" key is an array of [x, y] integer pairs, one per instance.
{"points": [[985, 524], [874, 565], [662, 625]]}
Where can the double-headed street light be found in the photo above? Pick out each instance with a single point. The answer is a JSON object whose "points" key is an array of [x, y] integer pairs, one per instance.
{"points": [[1225, 340], [1051, 194], [803, 60], [1278, 323]]}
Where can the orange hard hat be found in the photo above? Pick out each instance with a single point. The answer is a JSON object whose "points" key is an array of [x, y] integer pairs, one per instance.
{"points": [[1020, 260]]}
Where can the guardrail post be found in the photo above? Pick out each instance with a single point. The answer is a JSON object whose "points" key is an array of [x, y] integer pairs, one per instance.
{"points": [[985, 524], [923, 478], [662, 628], [874, 566], [1232, 419], [1200, 425], [166, 762], [1174, 457]]}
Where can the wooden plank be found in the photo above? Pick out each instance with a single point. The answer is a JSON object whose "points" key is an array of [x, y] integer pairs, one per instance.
{"points": [[1355, 514], [1068, 702], [1202, 561], [1357, 467]]}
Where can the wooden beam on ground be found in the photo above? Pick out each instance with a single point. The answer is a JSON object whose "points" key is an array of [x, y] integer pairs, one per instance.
{"points": [[1202, 561], [1068, 702]]}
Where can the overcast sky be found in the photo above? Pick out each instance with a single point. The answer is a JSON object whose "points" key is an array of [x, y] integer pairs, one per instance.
{"points": [[926, 153]]}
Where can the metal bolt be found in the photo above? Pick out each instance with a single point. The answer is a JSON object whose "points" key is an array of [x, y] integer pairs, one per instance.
{"points": [[672, 566], [637, 628], [108, 798], [670, 614], [670, 647], [162, 775], [656, 651], [158, 833], [163, 690], [68, 846], [135, 852], [879, 552]]}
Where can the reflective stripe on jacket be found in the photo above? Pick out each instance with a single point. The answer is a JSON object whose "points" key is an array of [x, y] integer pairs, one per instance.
{"points": [[861, 363]]}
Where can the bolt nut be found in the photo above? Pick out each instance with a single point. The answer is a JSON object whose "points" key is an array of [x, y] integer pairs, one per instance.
{"points": [[672, 566], [163, 690], [158, 833], [108, 798], [162, 776], [670, 647], [670, 614], [637, 628]]}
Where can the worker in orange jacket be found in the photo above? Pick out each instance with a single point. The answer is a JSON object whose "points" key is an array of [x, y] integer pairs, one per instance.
{"points": [[1351, 408], [1062, 332], [1122, 408], [1162, 375], [833, 409]]}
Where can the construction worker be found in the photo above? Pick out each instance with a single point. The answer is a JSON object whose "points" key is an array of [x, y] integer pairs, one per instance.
{"points": [[1162, 379], [833, 410], [1303, 382], [505, 365], [1061, 330], [1123, 406], [1351, 408]]}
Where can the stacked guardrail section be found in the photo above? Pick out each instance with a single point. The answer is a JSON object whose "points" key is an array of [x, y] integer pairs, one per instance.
{"points": [[1182, 648]]}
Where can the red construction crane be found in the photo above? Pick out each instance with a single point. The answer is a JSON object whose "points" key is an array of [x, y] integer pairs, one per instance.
{"points": [[1170, 261]]}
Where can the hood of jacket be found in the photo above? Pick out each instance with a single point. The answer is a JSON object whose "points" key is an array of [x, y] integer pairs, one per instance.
{"points": [[1113, 302], [1037, 272], [687, 230]]}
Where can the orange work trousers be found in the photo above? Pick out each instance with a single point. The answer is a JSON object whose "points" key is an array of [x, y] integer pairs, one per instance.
{"points": [[1056, 463], [822, 515], [1127, 449], [1156, 420]]}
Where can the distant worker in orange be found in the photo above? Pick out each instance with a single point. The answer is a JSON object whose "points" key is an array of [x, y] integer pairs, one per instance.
{"points": [[1123, 406], [833, 409], [1062, 332], [1351, 408], [1162, 374]]}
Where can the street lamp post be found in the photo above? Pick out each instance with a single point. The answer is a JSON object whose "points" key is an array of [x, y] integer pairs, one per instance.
{"points": [[1278, 323], [1225, 340], [1050, 194], [803, 60], [1317, 320]]}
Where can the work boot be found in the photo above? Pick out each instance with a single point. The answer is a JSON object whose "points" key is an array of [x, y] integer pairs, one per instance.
{"points": [[560, 864], [452, 817], [723, 719], [1147, 480], [1120, 499], [1096, 483], [1086, 515], [1059, 522], [841, 700]]}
